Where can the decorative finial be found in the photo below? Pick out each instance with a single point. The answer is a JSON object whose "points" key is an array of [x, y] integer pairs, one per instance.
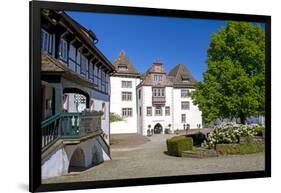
{"points": [[122, 53], [157, 61]]}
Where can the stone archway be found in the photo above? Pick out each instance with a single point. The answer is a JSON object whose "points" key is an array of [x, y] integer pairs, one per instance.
{"points": [[77, 161], [158, 129]]}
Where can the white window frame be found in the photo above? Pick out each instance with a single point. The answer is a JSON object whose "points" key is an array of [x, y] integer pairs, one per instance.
{"points": [[167, 109], [148, 111], [160, 113], [127, 112], [183, 118], [184, 93], [158, 92], [126, 96], [157, 77], [185, 105], [126, 84], [122, 68]]}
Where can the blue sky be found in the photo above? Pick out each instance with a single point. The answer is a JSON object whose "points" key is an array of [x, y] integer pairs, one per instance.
{"points": [[148, 38]]}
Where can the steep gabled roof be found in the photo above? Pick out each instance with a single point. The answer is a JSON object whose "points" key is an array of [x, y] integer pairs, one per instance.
{"points": [[182, 76], [156, 69], [122, 60]]}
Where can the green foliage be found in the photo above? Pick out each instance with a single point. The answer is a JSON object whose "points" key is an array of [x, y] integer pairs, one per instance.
{"points": [[177, 144], [259, 130], [234, 83], [114, 117], [246, 148], [92, 112], [230, 133]]}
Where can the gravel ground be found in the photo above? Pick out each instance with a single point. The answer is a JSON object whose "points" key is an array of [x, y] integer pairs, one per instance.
{"points": [[149, 159]]}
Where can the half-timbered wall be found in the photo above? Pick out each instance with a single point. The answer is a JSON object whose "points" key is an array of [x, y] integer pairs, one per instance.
{"points": [[72, 56]]}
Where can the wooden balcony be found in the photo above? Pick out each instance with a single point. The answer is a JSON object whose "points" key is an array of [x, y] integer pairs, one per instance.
{"points": [[159, 100], [68, 126]]}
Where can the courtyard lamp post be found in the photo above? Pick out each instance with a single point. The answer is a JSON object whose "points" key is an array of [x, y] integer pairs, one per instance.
{"points": [[187, 127], [169, 128], [149, 132]]}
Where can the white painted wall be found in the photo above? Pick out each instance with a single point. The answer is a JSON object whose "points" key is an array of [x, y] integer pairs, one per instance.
{"points": [[98, 100], [146, 101], [129, 124], [193, 115], [173, 100], [57, 163]]}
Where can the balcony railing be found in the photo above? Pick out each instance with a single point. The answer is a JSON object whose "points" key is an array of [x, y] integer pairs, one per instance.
{"points": [[159, 100], [68, 126]]}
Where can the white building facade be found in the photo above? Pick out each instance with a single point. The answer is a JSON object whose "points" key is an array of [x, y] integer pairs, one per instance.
{"points": [[123, 95], [160, 102]]}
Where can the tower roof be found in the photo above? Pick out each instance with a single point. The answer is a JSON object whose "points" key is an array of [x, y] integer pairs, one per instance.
{"points": [[182, 76], [123, 65]]}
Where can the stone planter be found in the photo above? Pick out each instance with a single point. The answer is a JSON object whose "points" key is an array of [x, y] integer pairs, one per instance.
{"points": [[90, 122], [200, 153]]}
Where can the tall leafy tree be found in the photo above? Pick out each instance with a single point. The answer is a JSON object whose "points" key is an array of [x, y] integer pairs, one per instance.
{"points": [[234, 83]]}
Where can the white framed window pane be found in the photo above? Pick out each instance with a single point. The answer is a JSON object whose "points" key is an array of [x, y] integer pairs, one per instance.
{"points": [[184, 93], [127, 112], [183, 118], [167, 111], [149, 111], [185, 105]]}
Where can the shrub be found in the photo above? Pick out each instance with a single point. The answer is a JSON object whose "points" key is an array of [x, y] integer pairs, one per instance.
{"points": [[259, 130], [177, 144], [246, 148], [230, 133], [114, 117]]}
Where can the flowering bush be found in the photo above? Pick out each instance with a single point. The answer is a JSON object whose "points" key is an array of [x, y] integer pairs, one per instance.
{"points": [[230, 133]]}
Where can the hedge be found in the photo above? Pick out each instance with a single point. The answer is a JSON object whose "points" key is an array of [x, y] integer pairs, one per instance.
{"points": [[245, 148], [177, 144]]}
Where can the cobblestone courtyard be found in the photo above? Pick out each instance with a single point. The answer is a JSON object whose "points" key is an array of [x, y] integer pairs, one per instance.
{"points": [[147, 159]]}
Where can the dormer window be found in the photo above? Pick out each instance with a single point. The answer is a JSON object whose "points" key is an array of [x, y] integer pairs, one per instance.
{"points": [[122, 68], [185, 78], [157, 77]]}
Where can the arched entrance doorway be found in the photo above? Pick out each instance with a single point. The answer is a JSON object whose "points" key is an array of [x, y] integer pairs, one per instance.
{"points": [[77, 161], [158, 128], [75, 100]]}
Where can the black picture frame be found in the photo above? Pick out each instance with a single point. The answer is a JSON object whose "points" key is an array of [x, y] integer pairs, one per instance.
{"points": [[35, 107]]}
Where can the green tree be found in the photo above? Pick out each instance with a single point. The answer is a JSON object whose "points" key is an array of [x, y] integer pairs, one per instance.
{"points": [[234, 83]]}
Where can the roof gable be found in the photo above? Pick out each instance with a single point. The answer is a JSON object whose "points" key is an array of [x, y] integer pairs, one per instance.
{"points": [[123, 64], [182, 75]]}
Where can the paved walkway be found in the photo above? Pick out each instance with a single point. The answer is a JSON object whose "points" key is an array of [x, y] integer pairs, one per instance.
{"points": [[149, 159]]}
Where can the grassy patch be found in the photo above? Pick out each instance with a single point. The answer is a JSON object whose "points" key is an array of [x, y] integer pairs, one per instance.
{"points": [[245, 148], [177, 144]]}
